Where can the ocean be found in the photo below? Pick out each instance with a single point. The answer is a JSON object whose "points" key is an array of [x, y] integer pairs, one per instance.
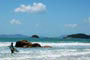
{"points": [[62, 49]]}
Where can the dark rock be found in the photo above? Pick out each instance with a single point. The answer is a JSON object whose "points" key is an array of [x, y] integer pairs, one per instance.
{"points": [[26, 44], [36, 45], [35, 36], [23, 43]]}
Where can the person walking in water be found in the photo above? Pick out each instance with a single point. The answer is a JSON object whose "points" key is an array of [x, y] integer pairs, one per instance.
{"points": [[11, 47]]}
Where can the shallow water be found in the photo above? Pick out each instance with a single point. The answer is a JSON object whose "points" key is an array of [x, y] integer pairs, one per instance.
{"points": [[59, 51]]}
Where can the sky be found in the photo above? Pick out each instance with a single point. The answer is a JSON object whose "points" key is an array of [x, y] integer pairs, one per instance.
{"points": [[50, 18]]}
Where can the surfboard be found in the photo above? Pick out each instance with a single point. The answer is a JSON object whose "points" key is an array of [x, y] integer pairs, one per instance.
{"points": [[13, 48]]}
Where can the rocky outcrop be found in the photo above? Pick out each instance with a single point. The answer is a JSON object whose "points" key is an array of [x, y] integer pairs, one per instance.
{"points": [[80, 35], [35, 36], [23, 43], [26, 44], [36, 45]]}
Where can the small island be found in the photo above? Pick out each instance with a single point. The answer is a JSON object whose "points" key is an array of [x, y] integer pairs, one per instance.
{"points": [[79, 35], [35, 36]]}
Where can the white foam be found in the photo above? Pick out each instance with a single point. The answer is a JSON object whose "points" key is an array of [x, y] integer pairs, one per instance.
{"points": [[29, 54], [6, 43], [50, 44], [64, 44], [32, 54]]}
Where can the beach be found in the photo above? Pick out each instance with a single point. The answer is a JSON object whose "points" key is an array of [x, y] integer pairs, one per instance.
{"points": [[74, 49]]}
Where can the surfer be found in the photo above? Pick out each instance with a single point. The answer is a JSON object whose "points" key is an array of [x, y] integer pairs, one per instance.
{"points": [[11, 47]]}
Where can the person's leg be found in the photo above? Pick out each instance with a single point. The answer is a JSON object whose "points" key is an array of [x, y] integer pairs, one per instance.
{"points": [[12, 51]]}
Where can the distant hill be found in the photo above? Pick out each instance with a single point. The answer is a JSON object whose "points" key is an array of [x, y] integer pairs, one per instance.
{"points": [[12, 36], [79, 35]]}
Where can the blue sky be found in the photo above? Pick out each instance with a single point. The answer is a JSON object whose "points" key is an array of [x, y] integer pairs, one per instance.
{"points": [[44, 17]]}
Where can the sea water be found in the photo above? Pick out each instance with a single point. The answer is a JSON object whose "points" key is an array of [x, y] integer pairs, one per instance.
{"points": [[62, 49]]}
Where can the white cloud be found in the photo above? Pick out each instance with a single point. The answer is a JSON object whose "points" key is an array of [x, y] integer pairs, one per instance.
{"points": [[14, 21], [87, 20], [35, 8], [71, 25]]}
